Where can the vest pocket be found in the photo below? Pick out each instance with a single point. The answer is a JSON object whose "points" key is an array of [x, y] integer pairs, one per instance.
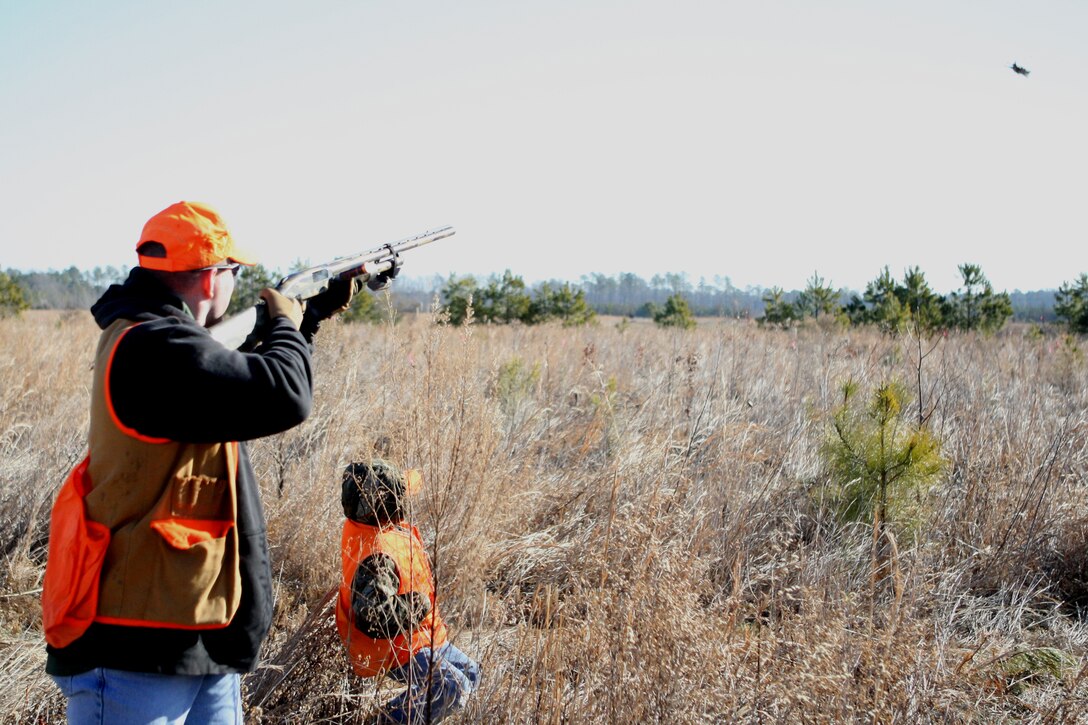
{"points": [[196, 573], [196, 565], [184, 534]]}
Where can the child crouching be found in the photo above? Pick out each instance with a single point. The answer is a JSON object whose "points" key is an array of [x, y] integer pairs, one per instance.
{"points": [[386, 611]]}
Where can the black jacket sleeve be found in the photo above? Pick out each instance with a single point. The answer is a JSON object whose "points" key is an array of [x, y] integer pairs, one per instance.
{"points": [[170, 379], [381, 613]]}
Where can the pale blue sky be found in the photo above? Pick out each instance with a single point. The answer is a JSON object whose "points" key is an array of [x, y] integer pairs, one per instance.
{"points": [[759, 141]]}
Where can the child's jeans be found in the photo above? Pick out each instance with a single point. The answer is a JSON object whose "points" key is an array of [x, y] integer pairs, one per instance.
{"points": [[454, 677]]}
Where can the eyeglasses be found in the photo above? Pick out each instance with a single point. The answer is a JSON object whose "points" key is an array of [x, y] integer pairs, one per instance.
{"points": [[234, 268]]}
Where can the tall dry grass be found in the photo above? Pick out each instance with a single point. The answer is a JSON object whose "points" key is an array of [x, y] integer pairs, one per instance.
{"points": [[624, 524]]}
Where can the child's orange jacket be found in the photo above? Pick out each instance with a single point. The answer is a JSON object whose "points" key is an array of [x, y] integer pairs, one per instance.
{"points": [[386, 609]]}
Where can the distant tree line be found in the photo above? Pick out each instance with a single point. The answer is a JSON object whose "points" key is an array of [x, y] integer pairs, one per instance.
{"points": [[629, 295], [892, 305], [669, 299], [68, 289]]}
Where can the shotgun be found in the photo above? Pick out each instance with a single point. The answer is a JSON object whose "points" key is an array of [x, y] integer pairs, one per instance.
{"points": [[242, 331]]}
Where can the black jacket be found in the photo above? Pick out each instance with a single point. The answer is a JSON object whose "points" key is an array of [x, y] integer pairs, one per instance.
{"points": [[170, 379]]}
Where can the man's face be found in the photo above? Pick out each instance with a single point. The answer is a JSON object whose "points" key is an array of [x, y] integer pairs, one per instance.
{"points": [[222, 290]]}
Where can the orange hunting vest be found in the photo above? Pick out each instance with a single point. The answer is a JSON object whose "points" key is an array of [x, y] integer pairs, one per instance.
{"points": [[143, 531], [370, 657]]}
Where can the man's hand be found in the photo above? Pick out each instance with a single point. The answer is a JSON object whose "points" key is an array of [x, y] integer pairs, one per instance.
{"points": [[332, 301], [280, 306]]}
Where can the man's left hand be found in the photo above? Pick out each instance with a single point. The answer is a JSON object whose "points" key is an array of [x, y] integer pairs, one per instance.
{"points": [[334, 300]]}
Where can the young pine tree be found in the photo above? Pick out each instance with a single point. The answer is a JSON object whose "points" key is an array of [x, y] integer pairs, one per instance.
{"points": [[879, 462], [458, 298], [675, 313], [1071, 304], [776, 310], [817, 298], [12, 298]]}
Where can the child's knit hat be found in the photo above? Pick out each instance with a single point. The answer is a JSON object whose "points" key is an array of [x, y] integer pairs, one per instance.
{"points": [[376, 492]]}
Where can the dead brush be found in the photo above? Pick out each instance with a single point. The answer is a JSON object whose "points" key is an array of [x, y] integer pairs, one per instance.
{"points": [[44, 372], [624, 532]]}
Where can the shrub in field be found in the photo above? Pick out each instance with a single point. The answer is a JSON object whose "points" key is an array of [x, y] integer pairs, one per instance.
{"points": [[817, 298], [561, 303], [457, 298], [892, 305], [879, 462], [921, 303], [776, 310], [1071, 304], [879, 305], [1019, 670], [12, 299], [976, 306], [674, 313], [513, 388], [504, 299], [364, 308]]}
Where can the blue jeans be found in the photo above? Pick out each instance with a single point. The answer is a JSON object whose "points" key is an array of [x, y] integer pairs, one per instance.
{"points": [[454, 678], [103, 696]]}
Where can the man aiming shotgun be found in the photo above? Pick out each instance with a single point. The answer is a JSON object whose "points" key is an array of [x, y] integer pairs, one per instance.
{"points": [[158, 589]]}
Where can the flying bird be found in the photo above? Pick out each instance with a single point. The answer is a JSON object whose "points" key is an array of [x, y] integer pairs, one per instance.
{"points": [[1020, 69]]}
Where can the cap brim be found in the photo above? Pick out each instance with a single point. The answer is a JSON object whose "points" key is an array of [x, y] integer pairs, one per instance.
{"points": [[241, 256]]}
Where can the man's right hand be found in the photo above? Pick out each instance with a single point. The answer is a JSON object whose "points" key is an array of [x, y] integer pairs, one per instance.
{"points": [[280, 306]]}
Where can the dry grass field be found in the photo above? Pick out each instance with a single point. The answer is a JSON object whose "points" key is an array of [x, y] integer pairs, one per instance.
{"points": [[626, 522]]}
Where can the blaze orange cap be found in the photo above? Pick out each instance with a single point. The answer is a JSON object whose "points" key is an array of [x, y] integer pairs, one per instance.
{"points": [[185, 236]]}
